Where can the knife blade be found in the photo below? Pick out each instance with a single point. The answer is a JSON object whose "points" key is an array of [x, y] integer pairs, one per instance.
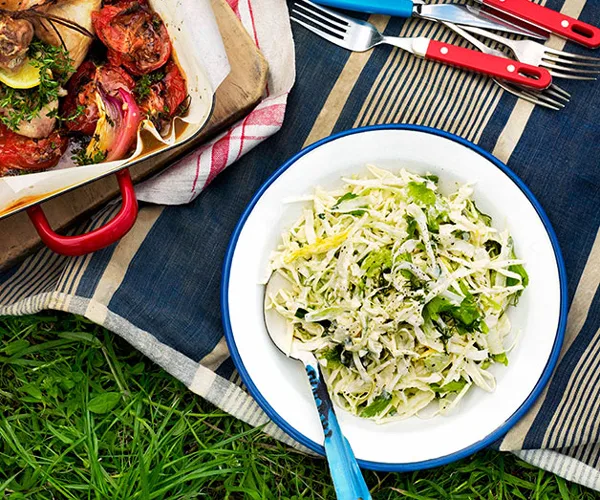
{"points": [[457, 14], [497, 15], [464, 15]]}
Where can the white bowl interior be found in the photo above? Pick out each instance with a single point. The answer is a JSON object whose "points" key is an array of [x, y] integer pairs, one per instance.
{"points": [[283, 383]]}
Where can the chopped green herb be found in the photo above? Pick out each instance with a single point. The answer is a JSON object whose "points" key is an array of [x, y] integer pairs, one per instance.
{"points": [[81, 158], [501, 358], [454, 386], [435, 307], [412, 228], [145, 82], [333, 356], [55, 68], [377, 262], [434, 221], [467, 313], [347, 196], [300, 313], [520, 270], [493, 248], [379, 404], [421, 193]]}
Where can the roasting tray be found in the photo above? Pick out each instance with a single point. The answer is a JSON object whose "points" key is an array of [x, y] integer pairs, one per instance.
{"points": [[26, 192]]}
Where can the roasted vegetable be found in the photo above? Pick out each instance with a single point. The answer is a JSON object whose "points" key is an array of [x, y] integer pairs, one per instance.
{"points": [[19, 153], [136, 37]]}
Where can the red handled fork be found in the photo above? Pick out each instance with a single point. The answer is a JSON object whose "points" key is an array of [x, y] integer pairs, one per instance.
{"points": [[559, 63], [553, 97], [359, 36]]}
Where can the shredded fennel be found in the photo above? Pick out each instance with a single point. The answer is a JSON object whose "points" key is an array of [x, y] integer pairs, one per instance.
{"points": [[400, 292]]}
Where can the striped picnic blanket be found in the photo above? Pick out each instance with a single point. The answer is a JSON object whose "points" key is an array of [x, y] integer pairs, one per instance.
{"points": [[159, 287]]}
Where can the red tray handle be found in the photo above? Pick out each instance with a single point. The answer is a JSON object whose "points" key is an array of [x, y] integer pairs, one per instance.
{"points": [[95, 240], [494, 66], [556, 22]]}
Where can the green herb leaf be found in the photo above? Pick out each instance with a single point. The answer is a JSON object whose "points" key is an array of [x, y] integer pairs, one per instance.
{"points": [[347, 196], [144, 84], [467, 313], [493, 248], [434, 221], [436, 306], [454, 386], [421, 193], [377, 262], [501, 358], [332, 355], [520, 270], [300, 313], [379, 404], [81, 157], [412, 228], [54, 66]]}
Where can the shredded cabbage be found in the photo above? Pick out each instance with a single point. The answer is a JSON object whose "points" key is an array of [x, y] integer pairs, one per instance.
{"points": [[400, 292]]}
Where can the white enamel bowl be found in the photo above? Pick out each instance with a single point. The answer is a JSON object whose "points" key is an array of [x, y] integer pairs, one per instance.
{"points": [[280, 385]]}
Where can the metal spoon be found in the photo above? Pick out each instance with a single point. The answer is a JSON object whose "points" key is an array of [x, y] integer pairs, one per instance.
{"points": [[347, 478]]}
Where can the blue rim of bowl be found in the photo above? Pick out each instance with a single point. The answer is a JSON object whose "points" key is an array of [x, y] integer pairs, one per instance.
{"points": [[425, 464]]}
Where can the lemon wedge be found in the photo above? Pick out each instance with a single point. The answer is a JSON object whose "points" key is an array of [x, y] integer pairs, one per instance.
{"points": [[26, 77]]}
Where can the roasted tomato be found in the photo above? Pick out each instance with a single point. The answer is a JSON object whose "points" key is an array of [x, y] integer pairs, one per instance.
{"points": [[18, 152], [79, 107], [164, 97], [136, 36]]}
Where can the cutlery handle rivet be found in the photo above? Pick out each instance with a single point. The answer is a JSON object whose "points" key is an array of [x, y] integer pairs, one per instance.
{"points": [[565, 24], [511, 68], [444, 50]]}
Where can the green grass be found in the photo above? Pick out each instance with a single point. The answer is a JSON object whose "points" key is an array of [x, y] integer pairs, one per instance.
{"points": [[83, 415]]}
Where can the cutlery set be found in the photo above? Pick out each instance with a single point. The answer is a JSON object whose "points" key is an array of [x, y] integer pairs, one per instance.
{"points": [[528, 75]]}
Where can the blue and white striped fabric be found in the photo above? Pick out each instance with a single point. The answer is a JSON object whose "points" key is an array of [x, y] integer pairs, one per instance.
{"points": [[159, 287]]}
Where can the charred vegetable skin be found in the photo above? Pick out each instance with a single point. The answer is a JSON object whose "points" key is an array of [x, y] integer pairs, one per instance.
{"points": [[80, 107], [163, 97], [136, 37], [19, 153]]}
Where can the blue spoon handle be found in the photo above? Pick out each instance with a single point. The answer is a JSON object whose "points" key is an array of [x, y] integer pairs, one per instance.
{"points": [[347, 478], [399, 8]]}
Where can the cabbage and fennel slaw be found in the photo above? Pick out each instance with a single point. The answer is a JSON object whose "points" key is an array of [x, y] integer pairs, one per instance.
{"points": [[400, 292]]}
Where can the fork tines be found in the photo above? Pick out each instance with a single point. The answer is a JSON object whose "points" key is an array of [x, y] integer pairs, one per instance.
{"points": [[568, 65], [319, 20]]}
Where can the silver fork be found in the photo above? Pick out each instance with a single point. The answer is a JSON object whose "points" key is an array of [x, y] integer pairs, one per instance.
{"points": [[561, 64], [356, 35], [552, 98]]}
